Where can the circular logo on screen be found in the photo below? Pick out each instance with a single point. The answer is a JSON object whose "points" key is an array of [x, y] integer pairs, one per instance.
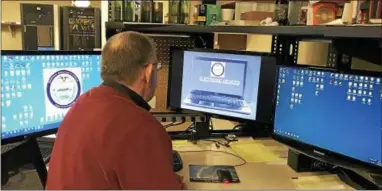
{"points": [[217, 69], [63, 88]]}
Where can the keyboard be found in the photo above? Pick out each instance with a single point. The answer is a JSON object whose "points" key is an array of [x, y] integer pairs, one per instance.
{"points": [[45, 153], [377, 180], [8, 147], [46, 147], [177, 161], [218, 99]]}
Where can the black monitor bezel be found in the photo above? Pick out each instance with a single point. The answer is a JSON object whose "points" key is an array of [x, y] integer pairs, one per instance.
{"points": [[315, 151], [266, 84], [40, 52]]}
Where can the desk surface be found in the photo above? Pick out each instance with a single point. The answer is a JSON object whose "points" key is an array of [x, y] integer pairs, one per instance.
{"points": [[263, 173], [266, 171]]}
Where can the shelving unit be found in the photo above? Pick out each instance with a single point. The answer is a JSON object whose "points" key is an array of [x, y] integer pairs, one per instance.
{"points": [[373, 32], [364, 42]]}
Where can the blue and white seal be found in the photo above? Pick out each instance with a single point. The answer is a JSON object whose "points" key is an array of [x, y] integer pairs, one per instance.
{"points": [[217, 69], [63, 88]]}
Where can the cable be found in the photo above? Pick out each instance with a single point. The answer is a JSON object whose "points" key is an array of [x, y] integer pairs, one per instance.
{"points": [[203, 42], [238, 126], [232, 154], [215, 141], [173, 124], [211, 125]]}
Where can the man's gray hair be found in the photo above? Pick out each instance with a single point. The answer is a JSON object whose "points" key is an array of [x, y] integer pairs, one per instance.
{"points": [[125, 55]]}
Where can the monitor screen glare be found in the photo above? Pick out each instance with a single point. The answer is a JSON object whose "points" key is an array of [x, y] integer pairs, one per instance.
{"points": [[38, 90]]}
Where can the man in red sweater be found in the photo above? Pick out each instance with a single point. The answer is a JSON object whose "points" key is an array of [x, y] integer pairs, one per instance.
{"points": [[108, 139]]}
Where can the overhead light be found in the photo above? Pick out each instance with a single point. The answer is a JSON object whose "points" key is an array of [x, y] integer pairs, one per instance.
{"points": [[81, 3]]}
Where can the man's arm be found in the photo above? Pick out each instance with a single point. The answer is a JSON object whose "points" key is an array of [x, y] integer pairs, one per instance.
{"points": [[147, 160]]}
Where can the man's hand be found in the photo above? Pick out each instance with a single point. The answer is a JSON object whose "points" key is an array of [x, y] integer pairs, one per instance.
{"points": [[180, 180]]}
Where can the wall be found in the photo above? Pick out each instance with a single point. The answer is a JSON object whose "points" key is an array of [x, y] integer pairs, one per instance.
{"points": [[10, 12]]}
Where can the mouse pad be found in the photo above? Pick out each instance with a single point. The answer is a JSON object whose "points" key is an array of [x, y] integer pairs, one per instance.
{"points": [[206, 173]]}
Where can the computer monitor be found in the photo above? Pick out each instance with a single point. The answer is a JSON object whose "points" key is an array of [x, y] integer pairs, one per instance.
{"points": [[38, 88], [331, 115], [230, 84]]}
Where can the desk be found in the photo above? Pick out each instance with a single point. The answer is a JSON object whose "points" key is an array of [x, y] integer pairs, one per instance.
{"points": [[271, 174]]}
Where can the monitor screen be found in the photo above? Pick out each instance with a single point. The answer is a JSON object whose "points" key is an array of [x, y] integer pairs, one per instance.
{"points": [[221, 83], [336, 112], [38, 89]]}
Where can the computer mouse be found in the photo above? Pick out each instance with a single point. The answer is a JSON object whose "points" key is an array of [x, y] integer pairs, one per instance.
{"points": [[224, 175]]}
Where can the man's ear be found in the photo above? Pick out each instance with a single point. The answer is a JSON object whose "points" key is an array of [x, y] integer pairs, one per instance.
{"points": [[148, 71]]}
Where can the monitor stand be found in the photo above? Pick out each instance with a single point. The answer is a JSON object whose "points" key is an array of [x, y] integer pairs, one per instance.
{"points": [[201, 130], [302, 163], [24, 153]]}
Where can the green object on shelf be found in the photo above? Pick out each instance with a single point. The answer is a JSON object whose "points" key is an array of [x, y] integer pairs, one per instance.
{"points": [[173, 13], [213, 14], [209, 14], [128, 14], [184, 12], [116, 10]]}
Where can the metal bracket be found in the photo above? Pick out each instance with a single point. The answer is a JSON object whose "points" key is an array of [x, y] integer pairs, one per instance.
{"points": [[179, 117], [338, 60], [286, 49]]}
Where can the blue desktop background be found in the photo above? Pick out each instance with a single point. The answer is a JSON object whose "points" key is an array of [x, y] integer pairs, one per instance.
{"points": [[196, 65], [23, 95], [331, 111]]}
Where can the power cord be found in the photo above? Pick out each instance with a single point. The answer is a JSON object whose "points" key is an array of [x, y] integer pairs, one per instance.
{"points": [[211, 125], [232, 154], [217, 143], [238, 126], [173, 124], [203, 42]]}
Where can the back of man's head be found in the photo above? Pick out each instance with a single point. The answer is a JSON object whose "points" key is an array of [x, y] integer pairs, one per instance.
{"points": [[125, 55]]}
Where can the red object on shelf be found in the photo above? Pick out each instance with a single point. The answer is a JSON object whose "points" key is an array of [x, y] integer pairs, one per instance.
{"points": [[323, 13]]}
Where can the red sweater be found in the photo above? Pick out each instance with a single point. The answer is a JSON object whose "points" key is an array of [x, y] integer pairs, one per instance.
{"points": [[109, 140]]}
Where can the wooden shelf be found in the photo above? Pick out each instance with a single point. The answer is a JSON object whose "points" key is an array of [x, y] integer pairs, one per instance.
{"points": [[228, 5], [360, 32], [11, 26]]}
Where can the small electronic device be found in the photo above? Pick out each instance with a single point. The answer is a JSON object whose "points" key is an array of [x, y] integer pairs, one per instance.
{"points": [[224, 175], [38, 88], [177, 161], [223, 83], [331, 116], [213, 174]]}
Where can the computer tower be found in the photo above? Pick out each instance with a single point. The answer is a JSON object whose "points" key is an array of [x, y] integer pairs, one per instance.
{"points": [[40, 27], [81, 28]]}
